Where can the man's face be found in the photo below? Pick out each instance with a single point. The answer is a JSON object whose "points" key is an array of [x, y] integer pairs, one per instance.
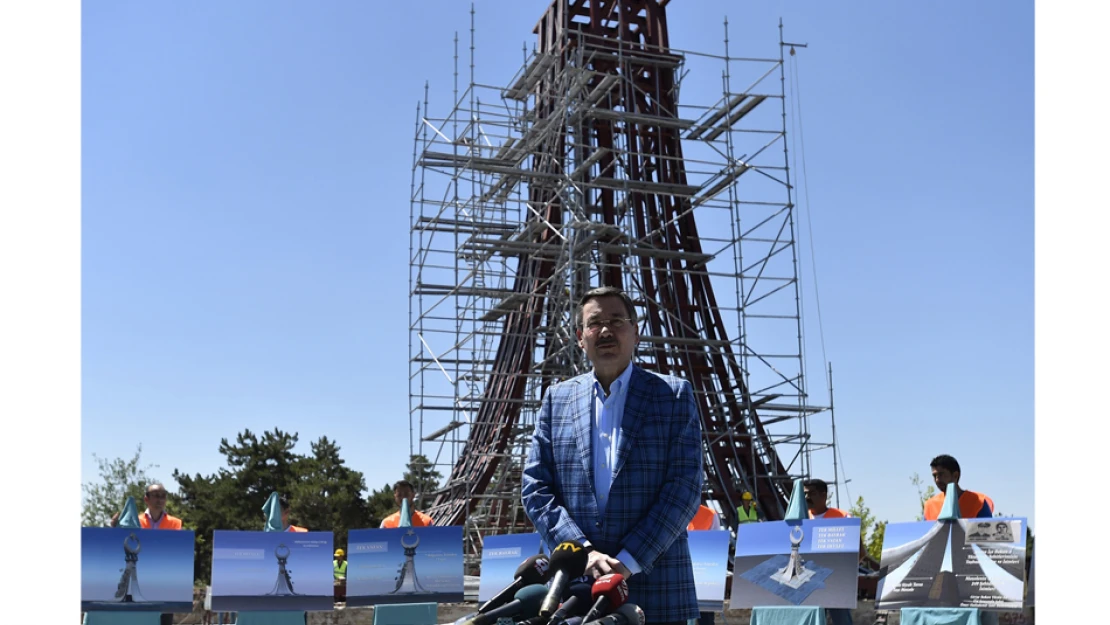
{"points": [[747, 503], [943, 477], [814, 497], [609, 350], [403, 493], [155, 499]]}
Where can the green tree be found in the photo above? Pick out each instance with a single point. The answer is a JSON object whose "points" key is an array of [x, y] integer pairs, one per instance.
{"points": [[922, 495], [380, 504], [871, 530], [324, 494], [875, 541], [423, 476], [329, 494], [119, 479]]}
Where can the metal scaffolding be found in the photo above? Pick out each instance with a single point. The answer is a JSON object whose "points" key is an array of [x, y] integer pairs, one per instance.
{"points": [[585, 170]]}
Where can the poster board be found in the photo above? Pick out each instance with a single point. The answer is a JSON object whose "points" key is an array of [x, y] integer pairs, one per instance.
{"points": [[268, 571], [709, 555], [140, 570], [968, 563], [822, 571], [501, 555], [404, 565]]}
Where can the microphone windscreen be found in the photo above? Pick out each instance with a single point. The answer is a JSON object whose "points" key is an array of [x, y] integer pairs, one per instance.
{"points": [[534, 570], [570, 557], [530, 598], [611, 586]]}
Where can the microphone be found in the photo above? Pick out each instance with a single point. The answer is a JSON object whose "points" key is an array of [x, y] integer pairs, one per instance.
{"points": [[534, 570], [627, 614], [575, 605], [524, 605], [567, 562], [609, 593]]}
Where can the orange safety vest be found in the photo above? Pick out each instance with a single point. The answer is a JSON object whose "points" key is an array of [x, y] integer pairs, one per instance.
{"points": [[167, 522], [832, 513], [419, 519], [972, 506], [703, 520], [294, 528]]}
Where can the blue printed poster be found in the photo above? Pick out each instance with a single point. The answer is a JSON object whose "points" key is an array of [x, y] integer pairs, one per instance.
{"points": [[709, 553], [404, 565], [814, 562], [143, 570], [501, 556], [265, 571]]}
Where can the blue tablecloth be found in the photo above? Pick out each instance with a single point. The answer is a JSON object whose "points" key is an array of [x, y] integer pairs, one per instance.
{"points": [[283, 617], [406, 614], [123, 618], [947, 616], [788, 615]]}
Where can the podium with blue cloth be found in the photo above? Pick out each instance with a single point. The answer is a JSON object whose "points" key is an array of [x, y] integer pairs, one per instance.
{"points": [[129, 518], [949, 513], [794, 615], [272, 510], [406, 613]]}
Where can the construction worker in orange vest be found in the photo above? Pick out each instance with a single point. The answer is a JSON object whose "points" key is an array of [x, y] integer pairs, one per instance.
{"points": [[972, 505], [746, 512], [155, 515], [817, 497], [403, 490]]}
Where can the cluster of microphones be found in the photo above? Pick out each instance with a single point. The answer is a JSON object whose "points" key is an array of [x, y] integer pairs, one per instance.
{"points": [[543, 593]]}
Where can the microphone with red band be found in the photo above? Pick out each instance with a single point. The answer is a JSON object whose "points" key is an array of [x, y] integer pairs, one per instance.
{"points": [[524, 605], [609, 593], [627, 614], [568, 561], [534, 570]]}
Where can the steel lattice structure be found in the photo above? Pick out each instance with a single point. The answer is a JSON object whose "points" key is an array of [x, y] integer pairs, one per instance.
{"points": [[585, 170]]}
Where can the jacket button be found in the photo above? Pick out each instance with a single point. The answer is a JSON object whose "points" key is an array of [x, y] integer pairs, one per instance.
{"points": [[598, 524]]}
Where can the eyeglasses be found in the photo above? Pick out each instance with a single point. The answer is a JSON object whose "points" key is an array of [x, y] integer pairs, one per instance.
{"points": [[594, 327], [156, 495]]}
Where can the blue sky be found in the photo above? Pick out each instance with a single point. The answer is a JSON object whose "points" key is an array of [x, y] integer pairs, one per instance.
{"points": [[245, 179]]}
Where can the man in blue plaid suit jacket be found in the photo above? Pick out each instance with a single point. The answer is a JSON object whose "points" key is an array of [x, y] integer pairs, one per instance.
{"points": [[616, 463]]}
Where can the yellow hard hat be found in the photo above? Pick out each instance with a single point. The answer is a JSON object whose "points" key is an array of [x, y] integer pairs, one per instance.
{"points": [[746, 496], [340, 552]]}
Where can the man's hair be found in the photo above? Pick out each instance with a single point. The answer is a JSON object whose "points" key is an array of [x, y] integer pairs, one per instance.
{"points": [[153, 485], [944, 461], [817, 485], [284, 501], [604, 291], [404, 483]]}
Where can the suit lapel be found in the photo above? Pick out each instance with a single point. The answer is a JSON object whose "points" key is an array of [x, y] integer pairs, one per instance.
{"points": [[583, 395], [632, 419]]}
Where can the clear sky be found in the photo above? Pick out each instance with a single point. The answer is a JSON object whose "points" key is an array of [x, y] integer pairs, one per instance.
{"points": [[245, 215]]}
